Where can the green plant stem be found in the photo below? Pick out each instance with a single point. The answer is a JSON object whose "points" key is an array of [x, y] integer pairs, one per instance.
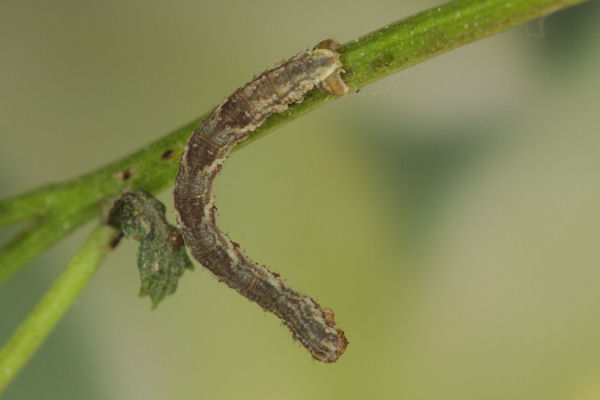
{"points": [[57, 300], [366, 59], [37, 237], [435, 31]]}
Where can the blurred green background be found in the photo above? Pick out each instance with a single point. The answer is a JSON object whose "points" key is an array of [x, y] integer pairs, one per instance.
{"points": [[448, 214]]}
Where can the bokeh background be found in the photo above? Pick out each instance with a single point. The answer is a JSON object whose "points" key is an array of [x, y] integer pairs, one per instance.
{"points": [[448, 214]]}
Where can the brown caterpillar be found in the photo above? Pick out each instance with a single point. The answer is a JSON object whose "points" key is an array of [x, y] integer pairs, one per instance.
{"points": [[207, 148]]}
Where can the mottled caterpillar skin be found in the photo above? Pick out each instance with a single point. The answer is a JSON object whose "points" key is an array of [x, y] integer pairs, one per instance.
{"points": [[207, 148]]}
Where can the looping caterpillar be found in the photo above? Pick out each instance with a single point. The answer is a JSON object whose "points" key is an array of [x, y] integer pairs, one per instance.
{"points": [[208, 147]]}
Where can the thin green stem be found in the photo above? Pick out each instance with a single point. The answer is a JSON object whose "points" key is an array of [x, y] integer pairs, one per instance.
{"points": [[57, 300], [371, 57], [435, 31], [37, 237]]}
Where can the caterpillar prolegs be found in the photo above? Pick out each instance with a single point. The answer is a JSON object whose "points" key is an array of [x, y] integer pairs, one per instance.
{"points": [[207, 148]]}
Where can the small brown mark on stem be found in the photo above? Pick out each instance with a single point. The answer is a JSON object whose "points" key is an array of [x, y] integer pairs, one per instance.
{"points": [[169, 155], [116, 240], [126, 174]]}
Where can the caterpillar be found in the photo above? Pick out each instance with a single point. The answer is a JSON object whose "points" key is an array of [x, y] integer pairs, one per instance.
{"points": [[207, 148]]}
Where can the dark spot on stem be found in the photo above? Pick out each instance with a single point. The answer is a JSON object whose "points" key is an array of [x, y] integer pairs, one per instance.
{"points": [[168, 155], [116, 240], [126, 174]]}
